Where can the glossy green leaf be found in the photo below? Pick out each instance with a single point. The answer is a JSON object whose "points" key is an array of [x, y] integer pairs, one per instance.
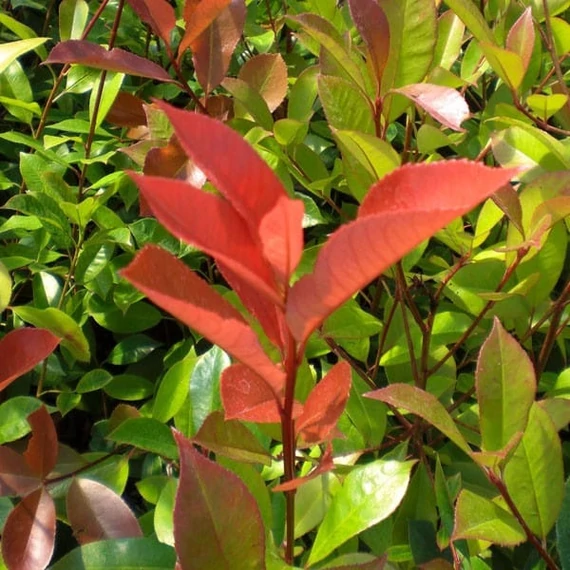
{"points": [[450, 30], [424, 405], [302, 95], [345, 105], [129, 387], [252, 101], [369, 494], [10, 51], [507, 64], [132, 349], [14, 417], [73, 16], [60, 324], [471, 16], [535, 475], [481, 519], [561, 35], [148, 434], [136, 318], [164, 513], [111, 88], [563, 529], [555, 7], [140, 553], [5, 287], [544, 106], [506, 387]]}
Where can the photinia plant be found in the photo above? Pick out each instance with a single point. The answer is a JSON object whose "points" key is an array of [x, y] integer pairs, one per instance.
{"points": [[253, 230]]}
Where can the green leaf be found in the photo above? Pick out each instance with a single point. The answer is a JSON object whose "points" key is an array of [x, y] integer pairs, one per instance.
{"points": [[369, 494], [111, 88], [563, 529], [424, 405], [164, 513], [5, 287], [137, 317], [450, 31], [302, 95], [506, 386], [173, 389], [148, 434], [345, 105], [561, 35], [546, 105], [139, 553], [535, 474], [507, 64], [73, 16], [129, 387], [290, 132], [60, 324], [554, 7], [471, 16], [14, 417], [132, 349], [253, 102], [479, 518], [11, 51]]}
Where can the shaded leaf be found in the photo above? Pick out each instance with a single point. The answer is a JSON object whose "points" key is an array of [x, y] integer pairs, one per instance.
{"points": [[266, 74], [42, 451], [60, 324], [248, 183], [199, 15], [97, 513], [29, 532], [325, 465], [140, 553], [16, 476], [373, 26], [424, 405], [158, 14], [325, 404], [369, 494], [213, 48], [21, 350], [506, 386], [535, 474], [174, 287], [204, 527], [93, 55], [406, 207], [563, 529], [444, 104], [479, 518], [127, 111], [247, 396], [231, 439]]}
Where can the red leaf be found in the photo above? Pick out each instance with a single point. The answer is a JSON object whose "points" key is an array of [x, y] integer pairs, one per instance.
{"points": [[199, 15], [444, 104], [325, 404], [42, 451], [21, 350], [248, 183], [325, 465], [210, 223], [16, 477], [521, 37], [97, 513], [94, 55], [213, 48], [266, 74], [158, 14], [127, 111], [246, 396], [174, 287], [29, 533], [217, 523], [373, 26], [406, 207]]}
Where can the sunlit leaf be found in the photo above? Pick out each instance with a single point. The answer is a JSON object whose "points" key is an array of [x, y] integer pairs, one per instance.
{"points": [[16, 476], [158, 14], [520, 38], [11, 51], [266, 74]]}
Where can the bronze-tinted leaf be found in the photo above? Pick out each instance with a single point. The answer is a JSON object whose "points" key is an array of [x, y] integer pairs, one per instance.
{"points": [[158, 14], [127, 111], [97, 513], [29, 533], [266, 74], [521, 37], [118, 60], [16, 477], [42, 451], [217, 523]]}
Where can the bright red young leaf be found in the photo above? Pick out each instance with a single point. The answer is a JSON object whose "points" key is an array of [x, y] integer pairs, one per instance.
{"points": [[521, 37], [371, 22], [406, 207], [210, 223], [21, 350], [246, 396], [42, 451], [97, 513], [217, 523], [116, 59], [16, 477], [174, 287], [158, 14], [199, 15], [213, 48], [324, 406], [444, 104], [29, 532], [248, 183]]}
